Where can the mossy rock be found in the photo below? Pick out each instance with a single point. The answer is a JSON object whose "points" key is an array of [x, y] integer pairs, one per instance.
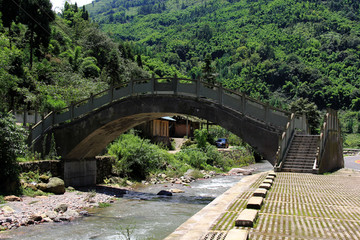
{"points": [[56, 185]]}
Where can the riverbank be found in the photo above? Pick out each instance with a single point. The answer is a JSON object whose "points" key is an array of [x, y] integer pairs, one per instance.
{"points": [[53, 208], [73, 204]]}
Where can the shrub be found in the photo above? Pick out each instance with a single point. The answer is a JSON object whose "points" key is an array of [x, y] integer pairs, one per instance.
{"points": [[201, 137], [193, 156], [137, 157], [12, 145]]}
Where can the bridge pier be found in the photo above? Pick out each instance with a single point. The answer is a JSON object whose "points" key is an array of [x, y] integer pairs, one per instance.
{"points": [[78, 173]]}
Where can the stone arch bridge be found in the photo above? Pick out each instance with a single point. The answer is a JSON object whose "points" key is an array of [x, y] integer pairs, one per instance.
{"points": [[84, 129]]}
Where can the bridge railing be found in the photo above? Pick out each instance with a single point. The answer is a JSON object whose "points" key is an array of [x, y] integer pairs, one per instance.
{"points": [[285, 142], [169, 86]]}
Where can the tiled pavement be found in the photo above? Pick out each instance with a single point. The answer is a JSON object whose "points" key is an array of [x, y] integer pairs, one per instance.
{"points": [[301, 206]]}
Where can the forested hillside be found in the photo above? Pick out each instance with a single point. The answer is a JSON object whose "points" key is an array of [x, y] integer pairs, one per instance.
{"points": [[275, 50], [48, 61]]}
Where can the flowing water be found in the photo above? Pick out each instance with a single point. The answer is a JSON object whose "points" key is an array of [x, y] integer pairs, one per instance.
{"points": [[142, 214]]}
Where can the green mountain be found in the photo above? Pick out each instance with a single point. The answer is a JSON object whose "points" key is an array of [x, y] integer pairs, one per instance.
{"points": [[275, 50], [48, 61]]}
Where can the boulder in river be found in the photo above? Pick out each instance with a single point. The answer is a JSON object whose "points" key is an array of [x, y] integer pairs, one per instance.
{"points": [[56, 185], [164, 193]]}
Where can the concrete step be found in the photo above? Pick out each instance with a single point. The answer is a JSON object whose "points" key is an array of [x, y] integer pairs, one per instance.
{"points": [[300, 159], [302, 153], [298, 165], [297, 170]]}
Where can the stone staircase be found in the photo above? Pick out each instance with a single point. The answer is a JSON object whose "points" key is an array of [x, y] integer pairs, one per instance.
{"points": [[302, 153]]}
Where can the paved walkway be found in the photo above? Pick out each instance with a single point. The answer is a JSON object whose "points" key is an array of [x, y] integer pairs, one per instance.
{"points": [[298, 206], [352, 162]]}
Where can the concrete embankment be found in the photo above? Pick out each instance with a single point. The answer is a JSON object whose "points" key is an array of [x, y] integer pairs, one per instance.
{"points": [[200, 224]]}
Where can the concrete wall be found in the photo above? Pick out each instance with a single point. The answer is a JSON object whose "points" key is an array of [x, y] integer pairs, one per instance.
{"points": [[333, 158], [55, 167], [80, 172]]}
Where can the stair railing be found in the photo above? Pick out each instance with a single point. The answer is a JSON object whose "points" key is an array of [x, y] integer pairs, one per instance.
{"points": [[331, 125], [285, 142]]}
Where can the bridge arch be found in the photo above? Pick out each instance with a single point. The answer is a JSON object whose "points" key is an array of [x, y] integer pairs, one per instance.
{"points": [[84, 129]]}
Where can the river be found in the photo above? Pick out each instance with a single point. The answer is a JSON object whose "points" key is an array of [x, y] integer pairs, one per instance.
{"points": [[140, 214]]}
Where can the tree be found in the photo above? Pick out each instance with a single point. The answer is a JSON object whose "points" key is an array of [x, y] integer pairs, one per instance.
{"points": [[208, 70], [303, 106], [37, 15], [10, 11], [12, 145], [85, 14], [113, 67], [139, 61]]}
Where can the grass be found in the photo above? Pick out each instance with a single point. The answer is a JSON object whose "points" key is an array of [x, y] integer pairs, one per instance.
{"points": [[104, 204], [31, 193], [2, 201], [352, 140]]}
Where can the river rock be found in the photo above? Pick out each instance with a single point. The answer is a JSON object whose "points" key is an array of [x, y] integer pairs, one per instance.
{"points": [[56, 185], [7, 209], [31, 186], [42, 186], [164, 193], [65, 218], [72, 213], [84, 213], [242, 171], [12, 198], [47, 219], [44, 178], [30, 221], [36, 217], [175, 190], [61, 208], [51, 214]]}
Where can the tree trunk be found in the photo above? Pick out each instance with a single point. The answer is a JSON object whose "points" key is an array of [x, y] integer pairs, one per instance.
{"points": [[31, 48]]}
